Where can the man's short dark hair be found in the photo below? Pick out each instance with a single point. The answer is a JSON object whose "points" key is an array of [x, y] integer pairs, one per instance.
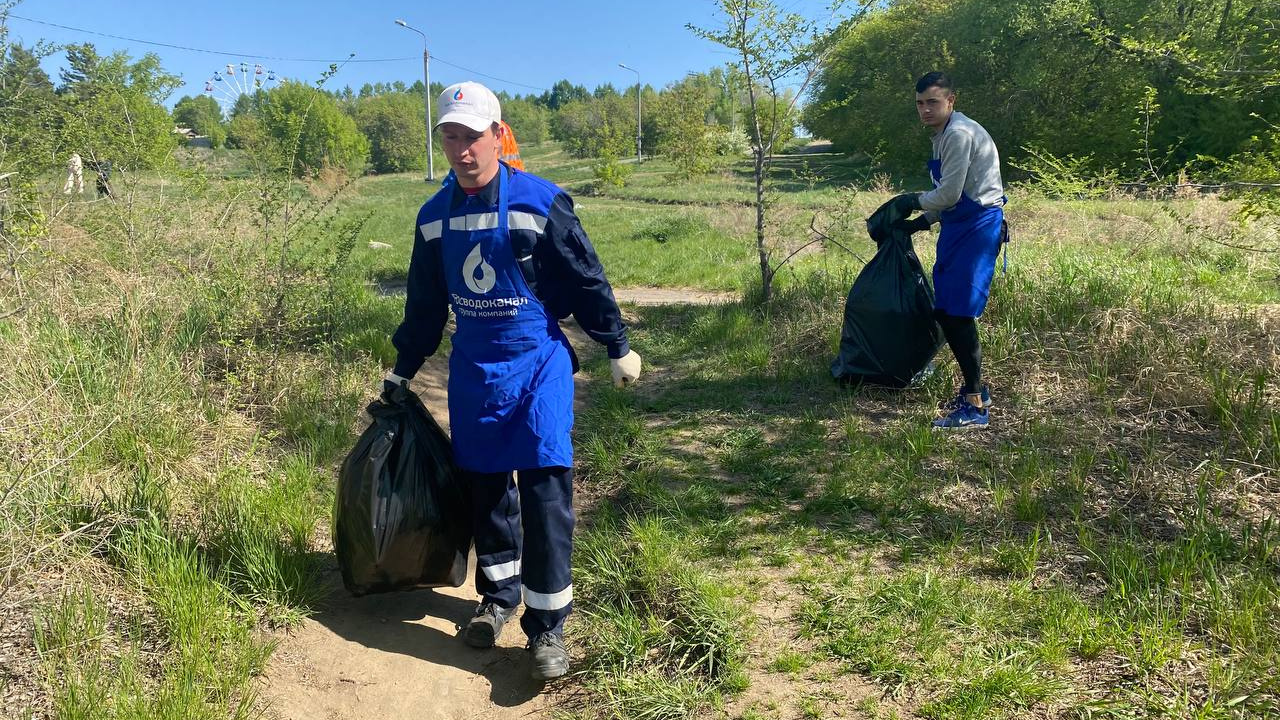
{"points": [[934, 79]]}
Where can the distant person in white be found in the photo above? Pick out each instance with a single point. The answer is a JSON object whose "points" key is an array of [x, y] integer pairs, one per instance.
{"points": [[75, 175]]}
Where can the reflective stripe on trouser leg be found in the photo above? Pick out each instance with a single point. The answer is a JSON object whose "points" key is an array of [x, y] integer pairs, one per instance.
{"points": [[546, 510], [495, 515]]}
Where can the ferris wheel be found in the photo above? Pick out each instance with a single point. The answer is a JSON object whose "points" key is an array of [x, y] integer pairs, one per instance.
{"points": [[228, 83]]}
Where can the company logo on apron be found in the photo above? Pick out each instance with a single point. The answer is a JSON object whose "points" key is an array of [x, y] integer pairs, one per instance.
{"points": [[478, 274]]}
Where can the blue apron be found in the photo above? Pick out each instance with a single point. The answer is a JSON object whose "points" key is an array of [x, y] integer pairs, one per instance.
{"points": [[968, 245], [510, 376]]}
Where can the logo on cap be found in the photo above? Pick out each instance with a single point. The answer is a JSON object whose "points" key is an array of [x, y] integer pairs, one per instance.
{"points": [[458, 95]]}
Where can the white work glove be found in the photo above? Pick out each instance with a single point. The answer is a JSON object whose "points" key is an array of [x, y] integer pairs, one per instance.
{"points": [[390, 382], [626, 369]]}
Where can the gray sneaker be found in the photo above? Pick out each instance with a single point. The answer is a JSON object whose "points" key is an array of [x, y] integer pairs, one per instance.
{"points": [[483, 629], [550, 659]]}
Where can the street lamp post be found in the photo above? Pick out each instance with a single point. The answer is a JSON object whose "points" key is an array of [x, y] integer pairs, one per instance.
{"points": [[426, 96], [637, 72]]}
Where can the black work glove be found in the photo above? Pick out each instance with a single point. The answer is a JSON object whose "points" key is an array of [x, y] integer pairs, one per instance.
{"points": [[906, 203], [919, 223]]}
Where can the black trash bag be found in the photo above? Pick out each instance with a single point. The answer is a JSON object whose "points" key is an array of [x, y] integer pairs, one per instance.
{"points": [[890, 335], [402, 518]]}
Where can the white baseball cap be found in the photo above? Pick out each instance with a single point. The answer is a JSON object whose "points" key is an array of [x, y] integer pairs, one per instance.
{"points": [[469, 103]]}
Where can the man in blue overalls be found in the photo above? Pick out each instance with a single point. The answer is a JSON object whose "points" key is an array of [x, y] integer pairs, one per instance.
{"points": [[968, 199], [504, 250]]}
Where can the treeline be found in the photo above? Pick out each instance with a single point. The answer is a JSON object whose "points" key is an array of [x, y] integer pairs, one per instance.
{"points": [[1128, 90], [381, 128]]}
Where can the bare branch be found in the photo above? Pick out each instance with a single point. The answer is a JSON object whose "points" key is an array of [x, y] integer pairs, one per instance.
{"points": [[786, 259], [828, 239]]}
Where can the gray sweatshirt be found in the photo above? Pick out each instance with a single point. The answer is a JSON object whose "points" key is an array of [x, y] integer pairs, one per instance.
{"points": [[970, 164]]}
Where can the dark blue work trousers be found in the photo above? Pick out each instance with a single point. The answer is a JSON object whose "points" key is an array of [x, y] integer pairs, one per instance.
{"points": [[523, 525]]}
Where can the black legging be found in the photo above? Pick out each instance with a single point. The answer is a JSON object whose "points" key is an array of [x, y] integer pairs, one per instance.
{"points": [[962, 336]]}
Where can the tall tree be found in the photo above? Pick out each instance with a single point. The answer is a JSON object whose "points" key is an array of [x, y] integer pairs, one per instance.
{"points": [[28, 129], [311, 131], [1069, 77], [528, 119], [591, 128], [680, 117], [81, 70], [29, 117], [246, 104], [1216, 55]]}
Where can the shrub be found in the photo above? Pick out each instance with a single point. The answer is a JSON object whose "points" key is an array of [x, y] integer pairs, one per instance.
{"points": [[609, 172]]}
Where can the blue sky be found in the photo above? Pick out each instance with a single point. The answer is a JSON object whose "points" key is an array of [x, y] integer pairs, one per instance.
{"points": [[523, 47]]}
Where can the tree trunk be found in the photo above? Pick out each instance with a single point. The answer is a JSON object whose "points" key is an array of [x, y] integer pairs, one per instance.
{"points": [[758, 147], [766, 274]]}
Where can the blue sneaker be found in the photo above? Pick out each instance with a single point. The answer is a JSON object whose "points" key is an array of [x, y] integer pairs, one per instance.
{"points": [[960, 400], [965, 418]]}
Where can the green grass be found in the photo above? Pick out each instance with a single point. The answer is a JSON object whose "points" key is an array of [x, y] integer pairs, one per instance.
{"points": [[1071, 558], [791, 662], [393, 202], [166, 475], [680, 247], [1117, 525]]}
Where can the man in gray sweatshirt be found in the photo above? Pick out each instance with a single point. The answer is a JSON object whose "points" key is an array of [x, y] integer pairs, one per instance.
{"points": [[968, 200]]}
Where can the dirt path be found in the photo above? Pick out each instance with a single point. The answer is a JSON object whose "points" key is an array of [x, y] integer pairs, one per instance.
{"points": [[397, 656]]}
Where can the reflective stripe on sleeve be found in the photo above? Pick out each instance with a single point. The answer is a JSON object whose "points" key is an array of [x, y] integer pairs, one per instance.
{"points": [[432, 230]]}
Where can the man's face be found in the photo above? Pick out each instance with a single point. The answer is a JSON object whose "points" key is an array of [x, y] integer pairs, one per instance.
{"points": [[934, 106], [473, 155]]}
